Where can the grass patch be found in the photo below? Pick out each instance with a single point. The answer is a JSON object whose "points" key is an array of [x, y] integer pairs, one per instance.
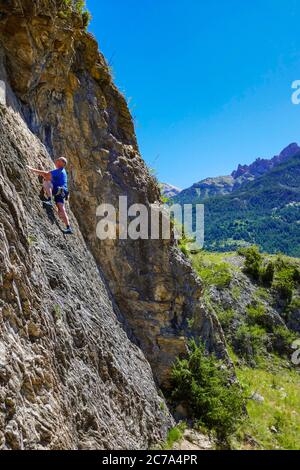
{"points": [[212, 269], [174, 435], [275, 422], [260, 349]]}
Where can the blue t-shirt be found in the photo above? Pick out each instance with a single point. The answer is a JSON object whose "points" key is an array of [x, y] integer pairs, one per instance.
{"points": [[59, 179]]}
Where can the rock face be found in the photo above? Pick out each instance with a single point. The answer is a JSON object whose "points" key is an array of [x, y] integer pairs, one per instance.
{"points": [[70, 375], [193, 440], [69, 101]]}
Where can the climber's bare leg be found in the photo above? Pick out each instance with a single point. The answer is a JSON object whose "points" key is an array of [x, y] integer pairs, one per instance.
{"points": [[63, 214], [48, 188]]}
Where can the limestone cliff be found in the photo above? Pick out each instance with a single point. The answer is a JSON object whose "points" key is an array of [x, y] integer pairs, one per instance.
{"points": [[67, 96], [81, 317], [70, 375]]}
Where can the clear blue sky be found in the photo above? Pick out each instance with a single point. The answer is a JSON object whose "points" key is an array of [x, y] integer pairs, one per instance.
{"points": [[209, 81]]}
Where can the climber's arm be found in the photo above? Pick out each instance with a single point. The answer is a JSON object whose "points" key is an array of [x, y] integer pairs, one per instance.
{"points": [[45, 174]]}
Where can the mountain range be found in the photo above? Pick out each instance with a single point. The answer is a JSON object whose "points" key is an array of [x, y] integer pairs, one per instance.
{"points": [[256, 204], [168, 190]]}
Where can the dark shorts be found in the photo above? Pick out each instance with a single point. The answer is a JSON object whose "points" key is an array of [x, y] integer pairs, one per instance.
{"points": [[60, 197]]}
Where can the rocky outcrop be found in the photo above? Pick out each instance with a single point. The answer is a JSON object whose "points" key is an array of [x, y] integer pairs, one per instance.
{"points": [[70, 375], [262, 165], [66, 94], [193, 440]]}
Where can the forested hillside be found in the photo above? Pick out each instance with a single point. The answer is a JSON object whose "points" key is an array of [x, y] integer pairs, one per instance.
{"points": [[263, 211]]}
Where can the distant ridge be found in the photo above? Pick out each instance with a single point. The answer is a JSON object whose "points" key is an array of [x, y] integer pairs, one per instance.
{"points": [[256, 204], [169, 191], [222, 185]]}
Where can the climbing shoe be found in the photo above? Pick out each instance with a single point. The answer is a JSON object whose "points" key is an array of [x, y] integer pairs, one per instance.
{"points": [[68, 231], [48, 203]]}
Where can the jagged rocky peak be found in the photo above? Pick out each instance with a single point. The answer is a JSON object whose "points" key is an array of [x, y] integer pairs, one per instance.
{"points": [[169, 191], [289, 151], [262, 165], [60, 83], [222, 185]]}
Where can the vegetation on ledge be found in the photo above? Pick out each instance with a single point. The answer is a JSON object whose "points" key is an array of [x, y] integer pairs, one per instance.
{"points": [[256, 298], [204, 385], [77, 6]]}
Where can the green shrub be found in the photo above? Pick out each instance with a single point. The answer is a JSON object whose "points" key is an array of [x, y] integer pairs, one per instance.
{"points": [[86, 18], [280, 262], [297, 274], [255, 313], [283, 339], [203, 384], [185, 241], [282, 274], [68, 3], [226, 318], [174, 435], [63, 15], [294, 305], [183, 246], [267, 274], [279, 421], [79, 6], [250, 341], [253, 262], [286, 278], [284, 283]]}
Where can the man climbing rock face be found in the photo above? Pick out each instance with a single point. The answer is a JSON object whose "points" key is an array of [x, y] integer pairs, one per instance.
{"points": [[56, 186]]}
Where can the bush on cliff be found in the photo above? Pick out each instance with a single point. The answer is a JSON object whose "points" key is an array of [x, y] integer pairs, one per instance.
{"points": [[253, 261], [86, 18], [202, 384], [281, 274], [78, 6]]}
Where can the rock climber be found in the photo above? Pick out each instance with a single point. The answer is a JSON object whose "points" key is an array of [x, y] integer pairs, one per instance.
{"points": [[56, 186]]}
